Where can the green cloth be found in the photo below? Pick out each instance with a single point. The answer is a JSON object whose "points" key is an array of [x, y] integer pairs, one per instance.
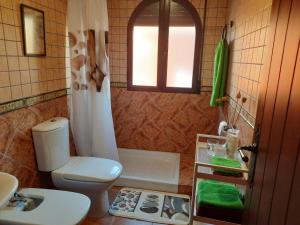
{"points": [[220, 161], [220, 72], [218, 194]]}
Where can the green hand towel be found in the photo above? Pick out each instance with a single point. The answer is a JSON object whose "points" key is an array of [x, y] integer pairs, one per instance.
{"points": [[220, 72], [220, 161], [219, 194]]}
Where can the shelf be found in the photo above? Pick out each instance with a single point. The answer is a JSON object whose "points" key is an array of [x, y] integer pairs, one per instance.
{"points": [[212, 221], [207, 173], [203, 159], [203, 169], [209, 220]]}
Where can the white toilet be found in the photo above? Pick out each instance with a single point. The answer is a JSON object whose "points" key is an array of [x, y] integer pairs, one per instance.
{"points": [[90, 176]]}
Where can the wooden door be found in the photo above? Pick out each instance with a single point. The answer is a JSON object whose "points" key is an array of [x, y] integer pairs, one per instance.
{"points": [[274, 196]]}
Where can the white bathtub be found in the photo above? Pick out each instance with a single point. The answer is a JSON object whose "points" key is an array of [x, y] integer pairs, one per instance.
{"points": [[152, 170]]}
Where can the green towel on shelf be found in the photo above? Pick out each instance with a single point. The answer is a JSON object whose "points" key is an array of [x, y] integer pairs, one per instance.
{"points": [[220, 161], [220, 72], [218, 194]]}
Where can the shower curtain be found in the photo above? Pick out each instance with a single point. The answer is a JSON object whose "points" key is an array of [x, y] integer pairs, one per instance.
{"points": [[91, 116]]}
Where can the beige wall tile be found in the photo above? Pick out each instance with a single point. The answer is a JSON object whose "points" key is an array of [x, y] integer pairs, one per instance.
{"points": [[16, 92], [9, 32], [248, 37], [4, 79], [11, 48], [6, 3], [25, 70], [13, 63], [3, 63], [25, 76], [15, 78], [34, 75], [7, 16], [1, 32], [23, 61], [26, 90], [2, 48], [35, 89], [5, 94]]}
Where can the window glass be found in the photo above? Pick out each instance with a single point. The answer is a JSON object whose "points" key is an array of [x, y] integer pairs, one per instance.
{"points": [[145, 47], [181, 47]]}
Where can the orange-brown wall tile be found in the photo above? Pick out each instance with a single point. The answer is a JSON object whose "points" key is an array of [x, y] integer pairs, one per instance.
{"points": [[163, 122], [21, 76], [17, 154]]}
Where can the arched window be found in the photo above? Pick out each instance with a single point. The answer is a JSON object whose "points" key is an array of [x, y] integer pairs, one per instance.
{"points": [[164, 47]]}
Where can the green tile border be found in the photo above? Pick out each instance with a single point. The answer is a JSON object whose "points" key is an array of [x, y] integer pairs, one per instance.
{"points": [[247, 117], [25, 102], [118, 84]]}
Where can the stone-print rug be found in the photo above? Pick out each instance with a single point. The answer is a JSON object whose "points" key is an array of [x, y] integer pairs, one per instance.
{"points": [[152, 206]]}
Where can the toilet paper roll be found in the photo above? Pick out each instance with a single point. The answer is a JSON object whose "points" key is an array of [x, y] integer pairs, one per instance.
{"points": [[221, 127]]}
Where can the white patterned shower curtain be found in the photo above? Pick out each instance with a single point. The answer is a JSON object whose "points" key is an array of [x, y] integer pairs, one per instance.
{"points": [[91, 116]]}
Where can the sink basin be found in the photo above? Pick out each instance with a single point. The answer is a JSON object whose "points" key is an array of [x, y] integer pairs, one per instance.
{"points": [[8, 186]]}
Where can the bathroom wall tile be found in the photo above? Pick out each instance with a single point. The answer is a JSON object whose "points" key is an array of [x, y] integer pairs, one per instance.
{"points": [[11, 48], [5, 94], [248, 36], [26, 90], [6, 135], [9, 32], [7, 16], [16, 92], [1, 32], [15, 78], [3, 63], [4, 79], [13, 63], [25, 76], [8, 165], [7, 4], [163, 122], [22, 150], [2, 48], [11, 44]]}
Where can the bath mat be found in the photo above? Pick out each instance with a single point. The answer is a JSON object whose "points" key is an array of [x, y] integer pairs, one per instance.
{"points": [[152, 206]]}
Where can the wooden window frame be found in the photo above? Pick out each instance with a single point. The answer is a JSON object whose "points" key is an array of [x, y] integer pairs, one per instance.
{"points": [[163, 38]]}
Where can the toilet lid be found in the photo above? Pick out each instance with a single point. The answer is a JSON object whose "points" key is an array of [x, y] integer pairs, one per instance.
{"points": [[90, 169]]}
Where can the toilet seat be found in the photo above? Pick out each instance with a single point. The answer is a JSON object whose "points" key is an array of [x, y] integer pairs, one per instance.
{"points": [[58, 207], [89, 169]]}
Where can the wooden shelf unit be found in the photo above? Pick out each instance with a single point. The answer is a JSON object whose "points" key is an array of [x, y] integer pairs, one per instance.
{"points": [[203, 169]]}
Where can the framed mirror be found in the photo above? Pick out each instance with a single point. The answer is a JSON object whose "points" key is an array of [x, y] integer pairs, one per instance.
{"points": [[33, 29]]}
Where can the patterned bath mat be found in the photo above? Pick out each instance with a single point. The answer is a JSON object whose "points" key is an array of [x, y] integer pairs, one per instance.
{"points": [[152, 206]]}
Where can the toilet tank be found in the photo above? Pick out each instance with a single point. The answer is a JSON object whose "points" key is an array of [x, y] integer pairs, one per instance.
{"points": [[51, 143]]}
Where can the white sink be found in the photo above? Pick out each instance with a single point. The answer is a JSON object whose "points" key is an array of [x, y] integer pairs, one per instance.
{"points": [[8, 186]]}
